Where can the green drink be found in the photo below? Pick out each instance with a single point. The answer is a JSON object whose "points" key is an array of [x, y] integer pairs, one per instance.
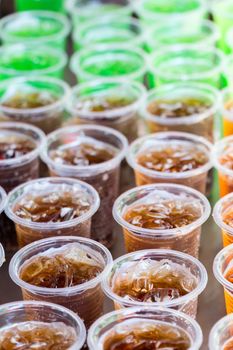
{"points": [[35, 27], [52, 5], [184, 63], [108, 30], [110, 61], [23, 60]]}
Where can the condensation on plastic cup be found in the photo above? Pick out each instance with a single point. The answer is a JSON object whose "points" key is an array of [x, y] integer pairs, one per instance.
{"points": [[186, 303], [221, 333], [195, 178], [80, 298], [185, 239], [47, 118], [29, 231], [200, 124], [18, 312], [87, 58], [101, 328], [123, 119], [223, 206], [57, 38], [163, 34]]}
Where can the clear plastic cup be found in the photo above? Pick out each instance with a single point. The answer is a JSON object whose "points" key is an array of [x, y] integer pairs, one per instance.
{"points": [[223, 262], [48, 117], [19, 312], [229, 71], [109, 30], [221, 333], [124, 118], [185, 239], [104, 177], [109, 61], [183, 63], [227, 112], [168, 33], [83, 10], [3, 223], [29, 231], [35, 28], [102, 328], [201, 124], [195, 178], [187, 14], [2, 255], [221, 149], [85, 299], [224, 209], [30, 60], [186, 303], [15, 171]]}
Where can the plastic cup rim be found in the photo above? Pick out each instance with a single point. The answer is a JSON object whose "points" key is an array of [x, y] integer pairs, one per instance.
{"points": [[58, 53], [54, 225], [133, 310], [104, 166], [217, 271], [223, 13], [181, 48], [76, 66], [2, 255], [58, 291], [157, 252], [215, 156], [171, 176], [187, 120], [37, 110], [73, 10], [218, 328], [217, 213], [30, 155], [3, 199], [63, 32], [163, 233], [108, 113], [11, 306], [227, 113]]}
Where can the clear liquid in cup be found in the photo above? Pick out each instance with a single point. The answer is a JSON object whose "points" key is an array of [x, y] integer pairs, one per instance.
{"points": [[62, 267], [83, 151], [171, 157], [33, 335], [153, 281], [177, 108], [14, 145], [143, 334], [53, 206]]}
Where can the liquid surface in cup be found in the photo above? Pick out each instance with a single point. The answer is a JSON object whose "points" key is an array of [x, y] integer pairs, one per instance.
{"points": [[62, 267], [152, 281], [83, 151], [171, 157], [24, 100], [37, 335], [52, 206], [177, 108], [228, 345], [143, 334], [14, 145], [102, 103]]}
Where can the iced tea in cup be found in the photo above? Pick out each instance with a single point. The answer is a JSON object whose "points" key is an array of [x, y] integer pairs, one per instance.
{"points": [[221, 335], [50, 207], [223, 268], [156, 278], [145, 328], [173, 157], [162, 216], [109, 103], [40, 325], [39, 101], [64, 270], [93, 154], [188, 107], [223, 216], [20, 145]]}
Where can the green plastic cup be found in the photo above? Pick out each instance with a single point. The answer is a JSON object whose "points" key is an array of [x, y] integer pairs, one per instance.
{"points": [[108, 30], [109, 61], [85, 10], [35, 27], [188, 64], [164, 34], [52, 5], [27, 60]]}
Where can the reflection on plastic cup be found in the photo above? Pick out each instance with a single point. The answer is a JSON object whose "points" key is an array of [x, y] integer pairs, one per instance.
{"points": [[221, 334]]}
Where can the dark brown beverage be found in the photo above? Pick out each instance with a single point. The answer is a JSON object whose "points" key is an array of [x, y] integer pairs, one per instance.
{"points": [[37, 335], [14, 146], [147, 335], [101, 103], [29, 100]]}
